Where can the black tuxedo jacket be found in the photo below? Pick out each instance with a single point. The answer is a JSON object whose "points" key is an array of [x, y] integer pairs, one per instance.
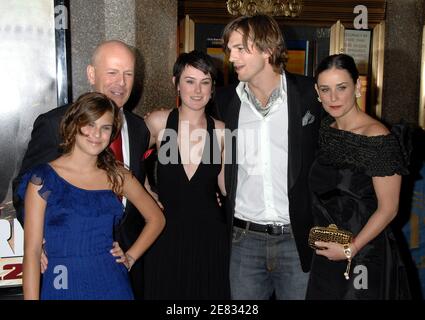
{"points": [[44, 147], [303, 142]]}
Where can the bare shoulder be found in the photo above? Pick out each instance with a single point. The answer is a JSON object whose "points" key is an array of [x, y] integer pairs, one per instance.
{"points": [[219, 124], [157, 119], [375, 128], [55, 163], [124, 171], [159, 114], [128, 176], [60, 165]]}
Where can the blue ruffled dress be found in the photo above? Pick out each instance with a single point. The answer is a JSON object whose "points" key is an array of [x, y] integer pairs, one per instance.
{"points": [[78, 229]]}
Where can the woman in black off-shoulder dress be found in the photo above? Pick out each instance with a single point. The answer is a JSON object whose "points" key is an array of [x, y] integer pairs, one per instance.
{"points": [[355, 182]]}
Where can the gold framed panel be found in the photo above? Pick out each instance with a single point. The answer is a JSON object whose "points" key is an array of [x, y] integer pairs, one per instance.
{"points": [[337, 38], [378, 50], [422, 90], [337, 43], [187, 34]]}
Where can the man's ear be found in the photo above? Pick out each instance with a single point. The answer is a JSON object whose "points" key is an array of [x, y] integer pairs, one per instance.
{"points": [[91, 74], [267, 54]]}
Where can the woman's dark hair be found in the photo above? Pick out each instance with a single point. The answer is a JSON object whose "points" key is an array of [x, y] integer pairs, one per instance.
{"points": [[88, 108], [196, 59], [338, 61]]}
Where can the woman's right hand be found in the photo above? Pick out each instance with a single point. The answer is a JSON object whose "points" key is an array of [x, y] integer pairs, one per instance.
{"points": [[153, 194], [331, 250]]}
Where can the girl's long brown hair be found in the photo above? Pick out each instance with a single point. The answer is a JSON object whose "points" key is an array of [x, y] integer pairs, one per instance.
{"points": [[88, 108]]}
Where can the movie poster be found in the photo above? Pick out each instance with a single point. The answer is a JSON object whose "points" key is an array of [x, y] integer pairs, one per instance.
{"points": [[27, 89]]}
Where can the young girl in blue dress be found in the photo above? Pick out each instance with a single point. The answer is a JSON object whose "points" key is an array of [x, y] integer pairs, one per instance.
{"points": [[73, 204]]}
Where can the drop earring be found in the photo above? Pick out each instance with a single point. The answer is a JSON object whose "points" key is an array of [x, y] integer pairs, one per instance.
{"points": [[358, 95], [318, 99]]}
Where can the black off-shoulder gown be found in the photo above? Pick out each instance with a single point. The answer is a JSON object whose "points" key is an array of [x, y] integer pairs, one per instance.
{"points": [[341, 184]]}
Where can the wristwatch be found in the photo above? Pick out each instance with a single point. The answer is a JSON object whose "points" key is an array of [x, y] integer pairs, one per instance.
{"points": [[347, 251]]}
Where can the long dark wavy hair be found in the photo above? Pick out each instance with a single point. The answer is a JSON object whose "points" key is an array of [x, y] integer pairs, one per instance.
{"points": [[88, 108]]}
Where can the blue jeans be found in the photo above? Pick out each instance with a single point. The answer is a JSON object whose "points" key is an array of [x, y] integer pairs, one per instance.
{"points": [[261, 264]]}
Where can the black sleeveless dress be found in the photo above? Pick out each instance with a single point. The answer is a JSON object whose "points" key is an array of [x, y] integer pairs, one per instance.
{"points": [[341, 183], [190, 259]]}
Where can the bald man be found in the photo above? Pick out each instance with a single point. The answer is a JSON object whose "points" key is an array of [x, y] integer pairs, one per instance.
{"points": [[111, 72]]}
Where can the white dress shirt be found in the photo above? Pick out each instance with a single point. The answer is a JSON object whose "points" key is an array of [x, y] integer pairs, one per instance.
{"points": [[262, 188], [125, 147]]}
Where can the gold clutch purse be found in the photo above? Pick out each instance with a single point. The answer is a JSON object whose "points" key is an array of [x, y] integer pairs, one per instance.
{"points": [[330, 233]]}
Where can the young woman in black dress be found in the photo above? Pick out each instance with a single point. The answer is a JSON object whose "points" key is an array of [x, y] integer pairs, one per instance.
{"points": [[190, 260]]}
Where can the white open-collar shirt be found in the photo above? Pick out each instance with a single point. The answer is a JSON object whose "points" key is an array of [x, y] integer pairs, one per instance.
{"points": [[262, 187]]}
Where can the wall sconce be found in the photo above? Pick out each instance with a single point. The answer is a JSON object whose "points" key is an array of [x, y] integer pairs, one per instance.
{"points": [[287, 8]]}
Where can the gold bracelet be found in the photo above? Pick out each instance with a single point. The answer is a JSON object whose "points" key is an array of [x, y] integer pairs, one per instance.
{"points": [[347, 253]]}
